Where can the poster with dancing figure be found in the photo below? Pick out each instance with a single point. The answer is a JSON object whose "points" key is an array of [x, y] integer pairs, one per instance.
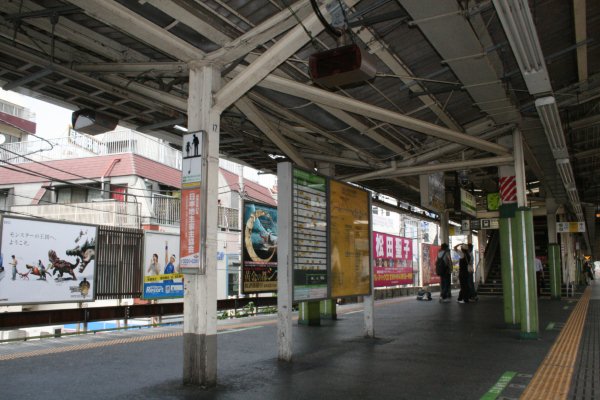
{"points": [[47, 262]]}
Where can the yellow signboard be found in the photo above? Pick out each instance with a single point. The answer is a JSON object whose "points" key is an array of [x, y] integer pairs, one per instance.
{"points": [[350, 240]]}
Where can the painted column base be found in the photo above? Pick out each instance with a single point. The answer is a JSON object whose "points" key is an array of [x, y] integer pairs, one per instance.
{"points": [[529, 335], [328, 309], [309, 313], [555, 271], [200, 360]]}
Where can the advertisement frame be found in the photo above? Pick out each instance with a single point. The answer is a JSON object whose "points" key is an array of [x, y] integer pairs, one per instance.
{"points": [[330, 246], [146, 256], [244, 251], [92, 298]]}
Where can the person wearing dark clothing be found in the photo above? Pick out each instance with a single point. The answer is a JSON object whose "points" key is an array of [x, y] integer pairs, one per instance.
{"points": [[472, 291], [196, 142], [445, 277], [463, 272]]}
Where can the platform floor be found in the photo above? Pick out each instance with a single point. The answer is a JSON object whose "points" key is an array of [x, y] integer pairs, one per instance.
{"points": [[422, 350]]}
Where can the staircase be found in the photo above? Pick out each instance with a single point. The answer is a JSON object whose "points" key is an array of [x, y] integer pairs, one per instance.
{"points": [[493, 283]]}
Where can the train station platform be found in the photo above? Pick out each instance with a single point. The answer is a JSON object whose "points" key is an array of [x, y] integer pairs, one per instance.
{"points": [[422, 350]]}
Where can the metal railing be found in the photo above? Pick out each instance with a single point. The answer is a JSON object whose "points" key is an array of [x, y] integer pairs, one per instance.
{"points": [[109, 212], [77, 145], [166, 210], [229, 218]]}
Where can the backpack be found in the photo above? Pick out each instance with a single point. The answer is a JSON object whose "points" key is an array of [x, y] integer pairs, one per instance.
{"points": [[440, 265]]}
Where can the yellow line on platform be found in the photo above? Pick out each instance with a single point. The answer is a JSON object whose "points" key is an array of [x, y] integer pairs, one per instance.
{"points": [[553, 378]]}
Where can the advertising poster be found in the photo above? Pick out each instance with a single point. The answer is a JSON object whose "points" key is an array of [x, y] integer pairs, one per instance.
{"points": [[393, 260], [350, 240], [47, 262], [162, 277], [190, 229], [429, 254], [259, 248], [309, 214]]}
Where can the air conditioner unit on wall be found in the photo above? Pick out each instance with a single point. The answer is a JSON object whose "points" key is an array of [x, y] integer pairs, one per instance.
{"points": [[342, 66]]}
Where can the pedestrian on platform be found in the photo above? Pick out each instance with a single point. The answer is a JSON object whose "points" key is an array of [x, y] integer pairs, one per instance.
{"points": [[539, 275], [463, 272], [445, 276]]}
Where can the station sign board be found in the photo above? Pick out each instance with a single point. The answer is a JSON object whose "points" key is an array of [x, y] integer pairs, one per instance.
{"points": [[570, 227]]}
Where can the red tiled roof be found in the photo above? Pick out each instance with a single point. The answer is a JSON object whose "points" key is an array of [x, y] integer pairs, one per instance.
{"points": [[91, 168], [253, 190], [19, 123]]}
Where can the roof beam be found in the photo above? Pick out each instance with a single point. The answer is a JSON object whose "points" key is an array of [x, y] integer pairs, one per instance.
{"points": [[429, 168], [579, 13], [400, 69], [284, 48], [255, 116], [260, 34], [114, 14], [354, 106], [73, 32], [187, 14]]}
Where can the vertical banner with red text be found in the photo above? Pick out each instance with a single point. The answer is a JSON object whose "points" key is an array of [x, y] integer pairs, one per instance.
{"points": [[189, 245], [393, 260]]}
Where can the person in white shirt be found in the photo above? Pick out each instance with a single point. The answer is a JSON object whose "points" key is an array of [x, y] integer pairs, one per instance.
{"points": [[539, 274]]}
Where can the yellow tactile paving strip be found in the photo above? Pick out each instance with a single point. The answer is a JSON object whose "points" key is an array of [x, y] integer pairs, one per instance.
{"points": [[553, 378], [87, 346]]}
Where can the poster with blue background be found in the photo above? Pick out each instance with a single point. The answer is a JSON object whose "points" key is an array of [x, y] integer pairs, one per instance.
{"points": [[162, 277]]}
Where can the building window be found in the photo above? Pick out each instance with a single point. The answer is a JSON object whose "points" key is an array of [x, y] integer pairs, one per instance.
{"points": [[233, 284], [4, 202]]}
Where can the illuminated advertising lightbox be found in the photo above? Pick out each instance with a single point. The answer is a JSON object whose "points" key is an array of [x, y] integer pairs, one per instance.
{"points": [[47, 262], [259, 248], [393, 260], [162, 276]]}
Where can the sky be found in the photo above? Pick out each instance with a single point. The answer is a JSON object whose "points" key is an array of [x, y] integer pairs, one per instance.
{"points": [[51, 121]]}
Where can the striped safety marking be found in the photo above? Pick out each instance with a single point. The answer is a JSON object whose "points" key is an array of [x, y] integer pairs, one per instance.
{"points": [[553, 378], [508, 189]]}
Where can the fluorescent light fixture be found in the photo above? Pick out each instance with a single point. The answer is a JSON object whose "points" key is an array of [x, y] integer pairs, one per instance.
{"points": [[550, 118], [566, 172], [520, 30]]}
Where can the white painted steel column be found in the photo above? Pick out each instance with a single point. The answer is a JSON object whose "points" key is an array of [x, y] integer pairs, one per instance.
{"points": [[369, 301], [551, 208], [284, 262], [520, 178], [200, 299]]}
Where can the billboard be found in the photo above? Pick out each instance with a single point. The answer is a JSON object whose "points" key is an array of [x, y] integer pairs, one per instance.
{"points": [[190, 229], [259, 248], [162, 276], [350, 239], [393, 260], [429, 253], [47, 262]]}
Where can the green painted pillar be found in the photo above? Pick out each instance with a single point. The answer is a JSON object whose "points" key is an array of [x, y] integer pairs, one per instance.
{"points": [[328, 309], [509, 279], [555, 271], [579, 266], [309, 313], [524, 256]]}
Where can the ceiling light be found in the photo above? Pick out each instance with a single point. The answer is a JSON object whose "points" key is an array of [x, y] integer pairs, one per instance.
{"points": [[550, 118], [520, 30]]}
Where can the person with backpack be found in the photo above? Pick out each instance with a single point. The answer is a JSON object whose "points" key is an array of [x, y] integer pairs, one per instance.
{"points": [[463, 272], [443, 269]]}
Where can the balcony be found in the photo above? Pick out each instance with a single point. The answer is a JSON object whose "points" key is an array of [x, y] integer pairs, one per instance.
{"points": [[77, 145], [109, 212], [166, 210], [228, 219]]}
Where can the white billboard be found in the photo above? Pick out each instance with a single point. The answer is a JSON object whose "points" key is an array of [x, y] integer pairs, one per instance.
{"points": [[47, 262]]}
